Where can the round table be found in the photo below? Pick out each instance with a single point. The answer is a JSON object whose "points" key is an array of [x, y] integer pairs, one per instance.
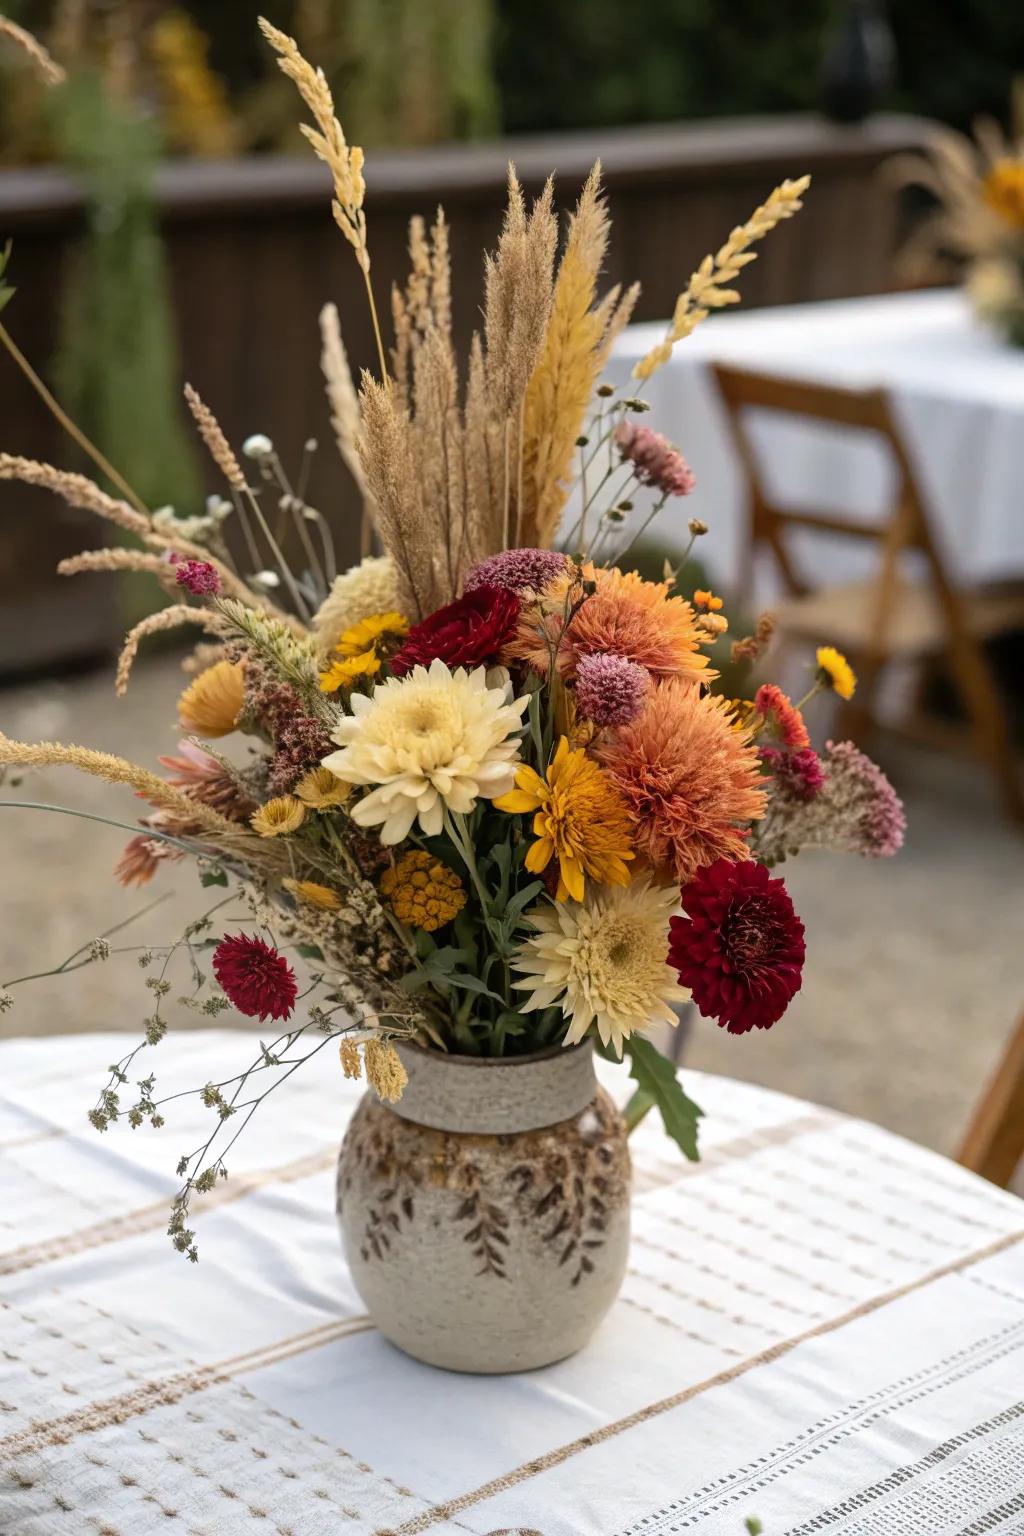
{"points": [[822, 1326], [957, 392]]}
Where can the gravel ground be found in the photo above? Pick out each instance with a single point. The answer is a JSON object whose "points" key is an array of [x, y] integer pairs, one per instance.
{"points": [[914, 975]]}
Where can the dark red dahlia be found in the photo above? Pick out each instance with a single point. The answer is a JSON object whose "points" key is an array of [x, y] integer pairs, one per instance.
{"points": [[257, 979], [740, 948], [467, 633]]}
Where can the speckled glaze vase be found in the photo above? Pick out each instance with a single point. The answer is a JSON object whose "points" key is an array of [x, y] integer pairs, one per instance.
{"points": [[485, 1217]]}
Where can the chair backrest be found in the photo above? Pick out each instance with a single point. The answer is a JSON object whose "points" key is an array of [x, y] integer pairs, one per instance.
{"points": [[905, 524]]}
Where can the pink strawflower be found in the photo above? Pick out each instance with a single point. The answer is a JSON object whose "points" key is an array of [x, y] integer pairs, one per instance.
{"points": [[781, 715], [199, 576], [856, 810], [657, 463], [255, 977], [609, 689], [800, 772], [518, 570]]}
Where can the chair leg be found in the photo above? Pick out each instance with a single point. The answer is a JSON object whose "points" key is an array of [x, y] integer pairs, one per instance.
{"points": [[994, 1142]]}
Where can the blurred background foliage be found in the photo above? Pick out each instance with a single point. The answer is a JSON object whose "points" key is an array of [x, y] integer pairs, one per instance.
{"points": [[413, 72]]}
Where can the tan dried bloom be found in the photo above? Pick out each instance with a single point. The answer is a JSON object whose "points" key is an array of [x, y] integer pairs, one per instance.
{"points": [[210, 431], [322, 790], [50, 70], [211, 705], [707, 288], [348, 1051], [313, 895], [384, 1070], [344, 161], [278, 817]]}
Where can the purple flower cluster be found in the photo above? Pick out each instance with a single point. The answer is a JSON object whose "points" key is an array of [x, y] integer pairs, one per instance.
{"points": [[301, 744], [853, 810], [518, 570], [199, 576], [610, 690], [655, 460]]}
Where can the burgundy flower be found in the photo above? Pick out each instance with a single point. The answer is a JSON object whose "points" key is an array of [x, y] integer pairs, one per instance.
{"points": [[655, 460], [467, 633], [199, 576], [799, 774], [740, 948], [257, 979]]}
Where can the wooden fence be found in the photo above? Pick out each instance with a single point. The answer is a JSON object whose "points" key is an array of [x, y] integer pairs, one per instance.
{"points": [[253, 254]]}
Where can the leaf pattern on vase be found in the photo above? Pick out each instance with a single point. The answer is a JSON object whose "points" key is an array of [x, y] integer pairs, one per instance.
{"points": [[554, 1188]]}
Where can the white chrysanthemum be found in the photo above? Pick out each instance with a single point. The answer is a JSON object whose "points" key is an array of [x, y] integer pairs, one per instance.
{"points": [[429, 739], [366, 589], [604, 960]]}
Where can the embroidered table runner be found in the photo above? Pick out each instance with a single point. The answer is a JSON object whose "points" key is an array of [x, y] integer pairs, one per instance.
{"points": [[822, 1327]]}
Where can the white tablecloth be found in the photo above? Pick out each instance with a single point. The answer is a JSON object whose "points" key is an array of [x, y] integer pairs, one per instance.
{"points": [[822, 1326], [958, 394]]}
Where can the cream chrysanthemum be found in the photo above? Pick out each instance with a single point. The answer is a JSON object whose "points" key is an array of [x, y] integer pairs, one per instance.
{"points": [[604, 961], [430, 739], [367, 588]]}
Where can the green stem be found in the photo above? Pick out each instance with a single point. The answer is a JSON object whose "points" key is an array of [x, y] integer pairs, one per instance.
{"points": [[149, 832]]}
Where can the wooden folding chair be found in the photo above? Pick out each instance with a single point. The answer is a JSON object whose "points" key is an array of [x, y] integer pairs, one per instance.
{"points": [[885, 617], [994, 1143]]}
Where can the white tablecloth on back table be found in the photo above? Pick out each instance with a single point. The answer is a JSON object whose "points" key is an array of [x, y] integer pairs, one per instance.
{"points": [[958, 394], [822, 1326]]}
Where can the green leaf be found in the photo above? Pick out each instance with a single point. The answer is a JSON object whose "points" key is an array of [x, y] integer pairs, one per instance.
{"points": [[521, 898], [309, 951], [469, 983], [213, 877], [655, 1075]]}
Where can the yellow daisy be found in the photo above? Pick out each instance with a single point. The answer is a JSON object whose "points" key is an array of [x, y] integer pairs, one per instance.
{"points": [[348, 670], [835, 671], [368, 632], [282, 814], [580, 819]]}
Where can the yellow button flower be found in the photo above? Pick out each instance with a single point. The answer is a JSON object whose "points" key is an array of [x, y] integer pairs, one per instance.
{"points": [[423, 891], [580, 819]]}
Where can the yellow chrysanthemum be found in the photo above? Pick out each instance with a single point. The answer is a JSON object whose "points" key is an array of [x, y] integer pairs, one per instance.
{"points": [[580, 820], [322, 790], [281, 815], [837, 672], [313, 895], [1003, 190], [423, 892], [365, 635], [211, 705], [348, 670]]}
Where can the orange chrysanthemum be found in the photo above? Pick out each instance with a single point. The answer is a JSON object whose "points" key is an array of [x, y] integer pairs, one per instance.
{"points": [[690, 779], [626, 617]]}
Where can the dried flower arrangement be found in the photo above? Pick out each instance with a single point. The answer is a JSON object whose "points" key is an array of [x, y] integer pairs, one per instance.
{"points": [[494, 799], [977, 229]]}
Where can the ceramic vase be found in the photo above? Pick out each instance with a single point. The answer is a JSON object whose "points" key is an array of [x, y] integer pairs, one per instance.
{"points": [[485, 1216]]}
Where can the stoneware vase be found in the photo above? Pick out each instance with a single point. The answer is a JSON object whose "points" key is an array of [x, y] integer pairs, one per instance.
{"points": [[485, 1216]]}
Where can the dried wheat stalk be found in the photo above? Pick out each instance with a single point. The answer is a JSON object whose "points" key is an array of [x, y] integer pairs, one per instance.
{"points": [[705, 290], [50, 70], [76, 490], [217, 444], [155, 623]]}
